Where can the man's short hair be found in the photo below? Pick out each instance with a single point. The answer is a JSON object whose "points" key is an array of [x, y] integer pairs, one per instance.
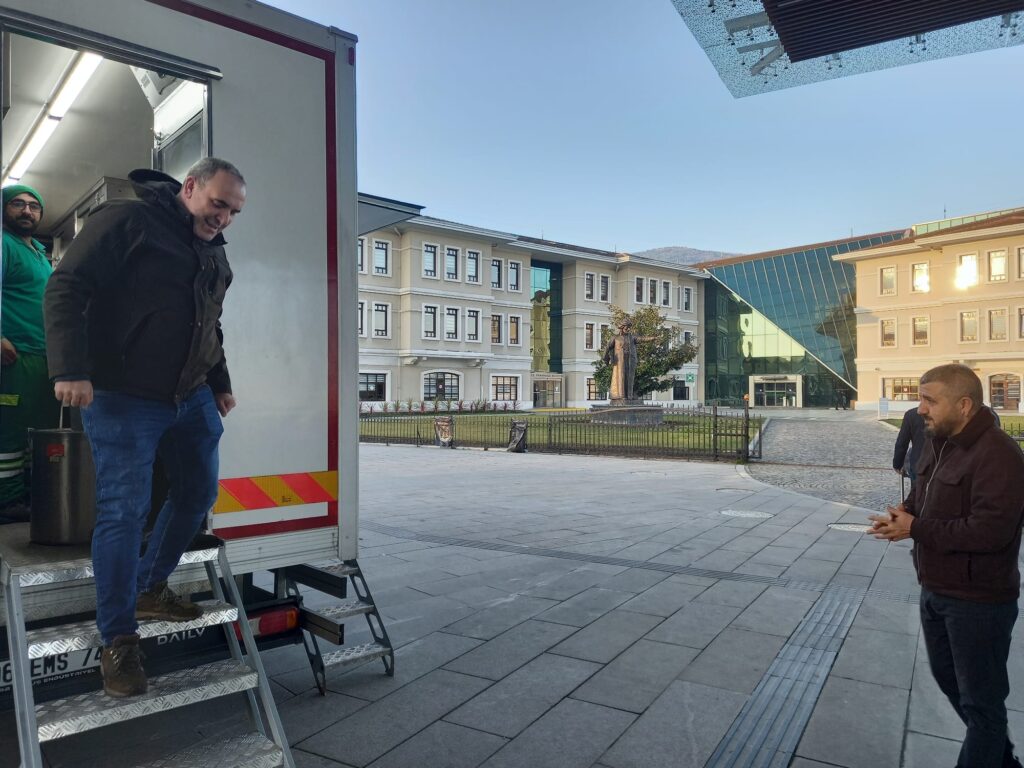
{"points": [[209, 167], [961, 380]]}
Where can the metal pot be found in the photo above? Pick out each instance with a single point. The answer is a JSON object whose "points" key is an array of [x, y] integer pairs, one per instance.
{"points": [[63, 487]]}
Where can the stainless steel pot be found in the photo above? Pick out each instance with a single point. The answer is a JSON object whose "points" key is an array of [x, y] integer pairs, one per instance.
{"points": [[63, 487]]}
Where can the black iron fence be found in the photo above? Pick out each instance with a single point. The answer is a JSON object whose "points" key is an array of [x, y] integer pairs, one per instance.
{"points": [[697, 433]]}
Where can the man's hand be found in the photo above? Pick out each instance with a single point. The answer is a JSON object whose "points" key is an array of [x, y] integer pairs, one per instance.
{"points": [[225, 402], [899, 471], [8, 354], [893, 526], [75, 393]]}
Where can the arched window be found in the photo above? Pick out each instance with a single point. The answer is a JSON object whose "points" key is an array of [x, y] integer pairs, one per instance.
{"points": [[440, 385], [1004, 390]]}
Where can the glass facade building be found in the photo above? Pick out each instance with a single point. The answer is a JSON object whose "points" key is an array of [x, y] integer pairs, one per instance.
{"points": [[780, 326]]}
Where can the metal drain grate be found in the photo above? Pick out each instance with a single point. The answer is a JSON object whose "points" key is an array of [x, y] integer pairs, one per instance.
{"points": [[746, 513], [850, 527]]}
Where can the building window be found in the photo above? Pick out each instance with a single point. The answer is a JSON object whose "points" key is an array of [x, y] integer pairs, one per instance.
{"points": [[639, 297], [360, 262], [513, 330], [472, 267], [380, 319], [687, 300], [429, 322], [997, 330], [969, 326], [1020, 322], [505, 388], [381, 257], [888, 332], [588, 335], [900, 389], [605, 287], [967, 270], [373, 387], [451, 323], [919, 280], [495, 273], [887, 281], [666, 293], [687, 337], [1020, 263], [429, 260], [472, 325], [920, 327], [652, 292], [997, 266], [451, 263], [514, 270], [603, 335], [593, 393], [588, 286], [496, 321], [440, 386], [362, 318]]}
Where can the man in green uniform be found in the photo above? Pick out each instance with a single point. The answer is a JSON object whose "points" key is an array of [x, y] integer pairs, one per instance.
{"points": [[25, 400]]}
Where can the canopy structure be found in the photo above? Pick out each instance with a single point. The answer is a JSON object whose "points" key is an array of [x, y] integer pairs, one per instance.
{"points": [[766, 45]]}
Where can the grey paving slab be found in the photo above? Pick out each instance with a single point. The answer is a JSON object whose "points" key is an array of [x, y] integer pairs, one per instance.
{"points": [[585, 607], [921, 751], [812, 571], [860, 565], [888, 616], [746, 543], [492, 621], [874, 656], [695, 625], [564, 587], [681, 728], [665, 598], [574, 734], [511, 649], [381, 726], [442, 745], [801, 762], [510, 705], [930, 711], [739, 594], [760, 569], [412, 662], [777, 611], [777, 555], [721, 560], [635, 580], [309, 760], [637, 677], [856, 725], [735, 660], [309, 712], [607, 637]]}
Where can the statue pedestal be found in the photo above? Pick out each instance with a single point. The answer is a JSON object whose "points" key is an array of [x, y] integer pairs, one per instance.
{"points": [[627, 412]]}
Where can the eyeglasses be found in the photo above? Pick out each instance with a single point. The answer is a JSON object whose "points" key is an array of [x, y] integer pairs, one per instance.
{"points": [[20, 205]]}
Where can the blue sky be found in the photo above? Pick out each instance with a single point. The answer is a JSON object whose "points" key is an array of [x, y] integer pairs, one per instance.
{"points": [[602, 123]]}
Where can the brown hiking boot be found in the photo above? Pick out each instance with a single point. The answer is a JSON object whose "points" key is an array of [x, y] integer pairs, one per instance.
{"points": [[121, 666], [161, 602]]}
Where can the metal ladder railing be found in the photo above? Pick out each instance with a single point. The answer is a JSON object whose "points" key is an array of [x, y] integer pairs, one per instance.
{"points": [[22, 565]]}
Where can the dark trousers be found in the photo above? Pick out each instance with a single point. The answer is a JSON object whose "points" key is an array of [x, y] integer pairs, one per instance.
{"points": [[968, 644]]}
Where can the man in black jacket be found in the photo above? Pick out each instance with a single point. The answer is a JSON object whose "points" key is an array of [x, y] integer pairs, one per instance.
{"points": [[964, 514], [133, 338], [910, 438]]}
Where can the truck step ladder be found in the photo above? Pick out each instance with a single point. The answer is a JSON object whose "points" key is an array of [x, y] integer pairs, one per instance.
{"points": [[23, 564], [328, 623]]}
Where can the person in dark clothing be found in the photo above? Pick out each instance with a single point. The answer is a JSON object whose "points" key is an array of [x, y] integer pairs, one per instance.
{"points": [[964, 514], [147, 367], [908, 444]]}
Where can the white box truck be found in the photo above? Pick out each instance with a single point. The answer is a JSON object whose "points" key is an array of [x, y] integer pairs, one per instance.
{"points": [[92, 90]]}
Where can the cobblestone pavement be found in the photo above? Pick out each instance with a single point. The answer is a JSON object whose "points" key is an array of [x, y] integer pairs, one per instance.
{"points": [[841, 456]]}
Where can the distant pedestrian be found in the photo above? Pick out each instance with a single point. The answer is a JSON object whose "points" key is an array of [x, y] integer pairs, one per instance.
{"points": [[909, 443], [965, 519]]}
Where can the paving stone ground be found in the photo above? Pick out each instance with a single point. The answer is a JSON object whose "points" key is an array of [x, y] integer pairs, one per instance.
{"points": [[623, 622]]}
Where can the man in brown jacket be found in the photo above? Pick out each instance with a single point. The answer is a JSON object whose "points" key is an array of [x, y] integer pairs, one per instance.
{"points": [[964, 514]]}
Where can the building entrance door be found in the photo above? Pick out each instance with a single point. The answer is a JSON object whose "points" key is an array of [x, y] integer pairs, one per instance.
{"points": [[547, 393], [775, 394], [1004, 391]]}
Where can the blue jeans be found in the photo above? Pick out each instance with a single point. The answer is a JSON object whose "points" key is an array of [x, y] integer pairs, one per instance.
{"points": [[126, 433], [968, 644]]}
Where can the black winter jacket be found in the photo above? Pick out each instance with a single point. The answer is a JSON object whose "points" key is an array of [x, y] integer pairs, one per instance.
{"points": [[135, 304], [969, 505]]}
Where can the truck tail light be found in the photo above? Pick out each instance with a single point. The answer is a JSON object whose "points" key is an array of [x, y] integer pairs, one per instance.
{"points": [[271, 621]]}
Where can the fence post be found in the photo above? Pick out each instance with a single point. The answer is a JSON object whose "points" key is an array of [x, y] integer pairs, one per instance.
{"points": [[745, 445], [714, 431]]}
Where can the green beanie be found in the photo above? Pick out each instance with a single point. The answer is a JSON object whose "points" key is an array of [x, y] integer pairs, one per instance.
{"points": [[17, 189]]}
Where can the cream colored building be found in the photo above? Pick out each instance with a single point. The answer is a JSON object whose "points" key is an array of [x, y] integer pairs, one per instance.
{"points": [[455, 312], [950, 291]]}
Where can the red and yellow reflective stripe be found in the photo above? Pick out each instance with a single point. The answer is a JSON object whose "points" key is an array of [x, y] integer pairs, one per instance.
{"points": [[238, 494]]}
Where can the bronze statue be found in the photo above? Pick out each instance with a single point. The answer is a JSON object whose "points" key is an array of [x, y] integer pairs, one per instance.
{"points": [[620, 353]]}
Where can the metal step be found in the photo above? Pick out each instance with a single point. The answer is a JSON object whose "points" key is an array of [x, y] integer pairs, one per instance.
{"points": [[35, 573], [329, 578], [328, 622], [250, 750], [80, 635], [342, 610], [75, 714], [354, 654]]}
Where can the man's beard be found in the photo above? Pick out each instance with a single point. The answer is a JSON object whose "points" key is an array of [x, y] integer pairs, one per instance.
{"points": [[23, 225]]}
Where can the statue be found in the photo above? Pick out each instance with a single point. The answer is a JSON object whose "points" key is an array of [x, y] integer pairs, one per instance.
{"points": [[620, 353]]}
